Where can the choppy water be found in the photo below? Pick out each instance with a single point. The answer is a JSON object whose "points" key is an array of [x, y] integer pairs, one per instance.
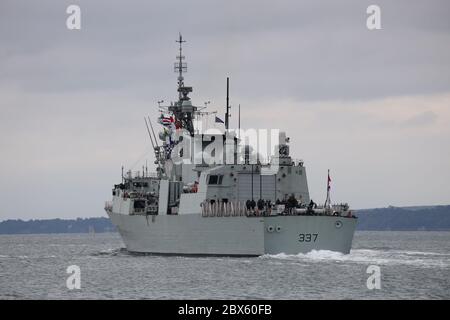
{"points": [[414, 265]]}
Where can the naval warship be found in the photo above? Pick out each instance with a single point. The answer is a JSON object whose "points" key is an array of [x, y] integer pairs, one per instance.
{"points": [[211, 194]]}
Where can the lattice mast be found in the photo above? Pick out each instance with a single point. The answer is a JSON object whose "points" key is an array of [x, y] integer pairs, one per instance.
{"points": [[183, 110]]}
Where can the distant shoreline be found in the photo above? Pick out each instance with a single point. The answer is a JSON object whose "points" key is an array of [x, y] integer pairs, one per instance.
{"points": [[418, 218]]}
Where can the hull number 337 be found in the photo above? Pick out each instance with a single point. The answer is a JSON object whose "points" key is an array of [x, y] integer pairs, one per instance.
{"points": [[307, 237]]}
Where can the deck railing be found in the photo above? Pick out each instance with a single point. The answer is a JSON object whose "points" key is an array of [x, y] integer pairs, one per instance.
{"points": [[239, 208]]}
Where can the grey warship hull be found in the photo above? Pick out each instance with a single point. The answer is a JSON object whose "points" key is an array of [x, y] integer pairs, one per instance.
{"points": [[192, 234]]}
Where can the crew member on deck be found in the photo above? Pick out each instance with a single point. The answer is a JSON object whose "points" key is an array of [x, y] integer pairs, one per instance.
{"points": [[292, 203], [260, 206], [253, 205], [248, 205]]}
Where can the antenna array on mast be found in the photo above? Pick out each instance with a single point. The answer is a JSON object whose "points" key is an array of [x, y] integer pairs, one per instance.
{"points": [[181, 67]]}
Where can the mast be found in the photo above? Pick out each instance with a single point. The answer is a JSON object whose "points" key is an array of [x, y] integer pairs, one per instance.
{"points": [[183, 110], [227, 114], [239, 118], [180, 66]]}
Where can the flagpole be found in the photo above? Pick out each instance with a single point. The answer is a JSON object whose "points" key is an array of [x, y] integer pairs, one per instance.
{"points": [[227, 114], [239, 120], [328, 200]]}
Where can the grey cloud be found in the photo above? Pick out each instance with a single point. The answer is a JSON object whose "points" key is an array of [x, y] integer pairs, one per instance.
{"points": [[72, 102], [310, 50], [421, 119]]}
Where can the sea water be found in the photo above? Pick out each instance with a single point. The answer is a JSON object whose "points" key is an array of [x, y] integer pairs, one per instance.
{"points": [[413, 265]]}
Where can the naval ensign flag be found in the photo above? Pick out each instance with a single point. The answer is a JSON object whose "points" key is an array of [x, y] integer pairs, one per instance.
{"points": [[328, 200]]}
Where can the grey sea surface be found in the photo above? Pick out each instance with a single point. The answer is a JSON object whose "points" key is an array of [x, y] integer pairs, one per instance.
{"points": [[413, 265]]}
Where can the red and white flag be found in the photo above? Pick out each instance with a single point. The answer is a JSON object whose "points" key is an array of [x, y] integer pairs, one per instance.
{"points": [[328, 200], [166, 120]]}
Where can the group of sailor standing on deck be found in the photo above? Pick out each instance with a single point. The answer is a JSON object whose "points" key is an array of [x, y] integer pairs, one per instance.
{"points": [[260, 207], [265, 207]]}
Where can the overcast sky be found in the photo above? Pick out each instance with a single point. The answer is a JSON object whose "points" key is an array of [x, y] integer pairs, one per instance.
{"points": [[372, 106]]}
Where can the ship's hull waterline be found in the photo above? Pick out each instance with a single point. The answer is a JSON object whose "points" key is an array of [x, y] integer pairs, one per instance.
{"points": [[192, 234]]}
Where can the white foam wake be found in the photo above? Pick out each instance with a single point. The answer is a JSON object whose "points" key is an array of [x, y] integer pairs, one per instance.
{"points": [[369, 256]]}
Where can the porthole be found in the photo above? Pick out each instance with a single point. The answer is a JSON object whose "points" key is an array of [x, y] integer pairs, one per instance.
{"points": [[338, 224], [278, 228], [270, 229]]}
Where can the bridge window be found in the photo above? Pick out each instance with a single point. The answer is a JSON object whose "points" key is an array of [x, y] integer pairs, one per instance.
{"points": [[215, 179]]}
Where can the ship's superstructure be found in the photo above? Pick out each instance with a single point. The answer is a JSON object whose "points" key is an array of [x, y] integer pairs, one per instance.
{"points": [[212, 194]]}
